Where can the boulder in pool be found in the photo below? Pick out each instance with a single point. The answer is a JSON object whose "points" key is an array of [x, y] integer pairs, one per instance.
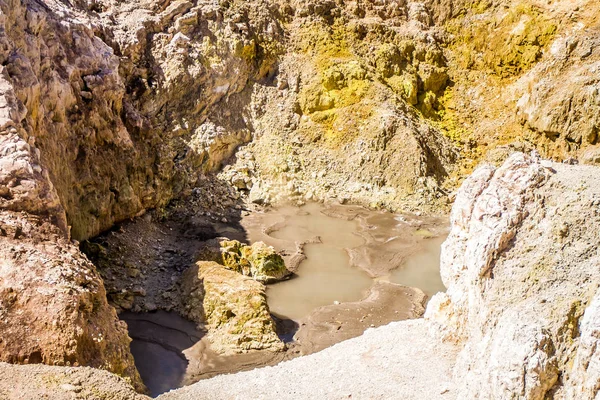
{"points": [[258, 261], [232, 305]]}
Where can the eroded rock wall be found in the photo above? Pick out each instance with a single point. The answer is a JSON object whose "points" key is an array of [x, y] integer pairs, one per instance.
{"points": [[53, 306], [520, 265], [101, 112]]}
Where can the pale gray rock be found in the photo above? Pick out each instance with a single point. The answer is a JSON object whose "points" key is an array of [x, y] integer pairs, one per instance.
{"points": [[518, 265]]}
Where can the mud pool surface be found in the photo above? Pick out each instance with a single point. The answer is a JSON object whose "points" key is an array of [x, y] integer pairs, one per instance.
{"points": [[338, 251], [353, 269]]}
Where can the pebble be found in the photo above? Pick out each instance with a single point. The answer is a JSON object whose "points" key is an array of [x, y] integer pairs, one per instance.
{"points": [[70, 388], [546, 164]]}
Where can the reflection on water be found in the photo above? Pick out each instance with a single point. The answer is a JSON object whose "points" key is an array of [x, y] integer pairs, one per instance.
{"points": [[422, 270], [158, 342], [147, 356]]}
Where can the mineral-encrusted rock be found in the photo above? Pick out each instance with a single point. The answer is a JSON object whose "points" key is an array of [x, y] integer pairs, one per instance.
{"points": [[258, 261], [521, 265], [569, 111], [233, 306], [53, 306]]}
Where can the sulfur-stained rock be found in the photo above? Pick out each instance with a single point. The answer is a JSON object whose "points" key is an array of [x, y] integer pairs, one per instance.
{"points": [[591, 156], [259, 261], [233, 306]]}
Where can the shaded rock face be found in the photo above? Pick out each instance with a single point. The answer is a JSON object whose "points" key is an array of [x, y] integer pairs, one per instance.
{"points": [[83, 90], [233, 306], [258, 261], [53, 306], [520, 265]]}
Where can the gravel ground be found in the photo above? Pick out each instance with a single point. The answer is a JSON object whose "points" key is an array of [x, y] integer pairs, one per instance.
{"points": [[44, 382], [398, 360]]}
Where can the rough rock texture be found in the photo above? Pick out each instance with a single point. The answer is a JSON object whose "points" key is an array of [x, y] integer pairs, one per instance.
{"points": [[531, 84], [520, 265], [53, 306], [258, 261], [21, 382], [83, 89], [233, 306], [566, 112], [343, 120], [108, 108], [584, 378]]}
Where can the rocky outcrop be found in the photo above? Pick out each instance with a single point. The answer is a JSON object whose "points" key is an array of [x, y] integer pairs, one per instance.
{"points": [[567, 112], [53, 306], [233, 306], [520, 268], [258, 261]]}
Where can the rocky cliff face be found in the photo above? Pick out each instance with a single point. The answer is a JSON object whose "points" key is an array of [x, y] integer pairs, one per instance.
{"points": [[521, 268], [53, 306]]}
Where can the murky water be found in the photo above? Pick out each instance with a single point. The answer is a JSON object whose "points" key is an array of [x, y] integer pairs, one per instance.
{"points": [[309, 222], [422, 270], [159, 339], [329, 274], [326, 275]]}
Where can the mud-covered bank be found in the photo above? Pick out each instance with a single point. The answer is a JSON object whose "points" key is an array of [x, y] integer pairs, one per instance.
{"points": [[342, 257]]}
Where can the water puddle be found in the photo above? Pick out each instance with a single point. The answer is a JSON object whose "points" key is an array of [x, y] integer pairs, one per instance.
{"points": [[323, 278], [160, 339], [422, 270], [354, 246]]}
